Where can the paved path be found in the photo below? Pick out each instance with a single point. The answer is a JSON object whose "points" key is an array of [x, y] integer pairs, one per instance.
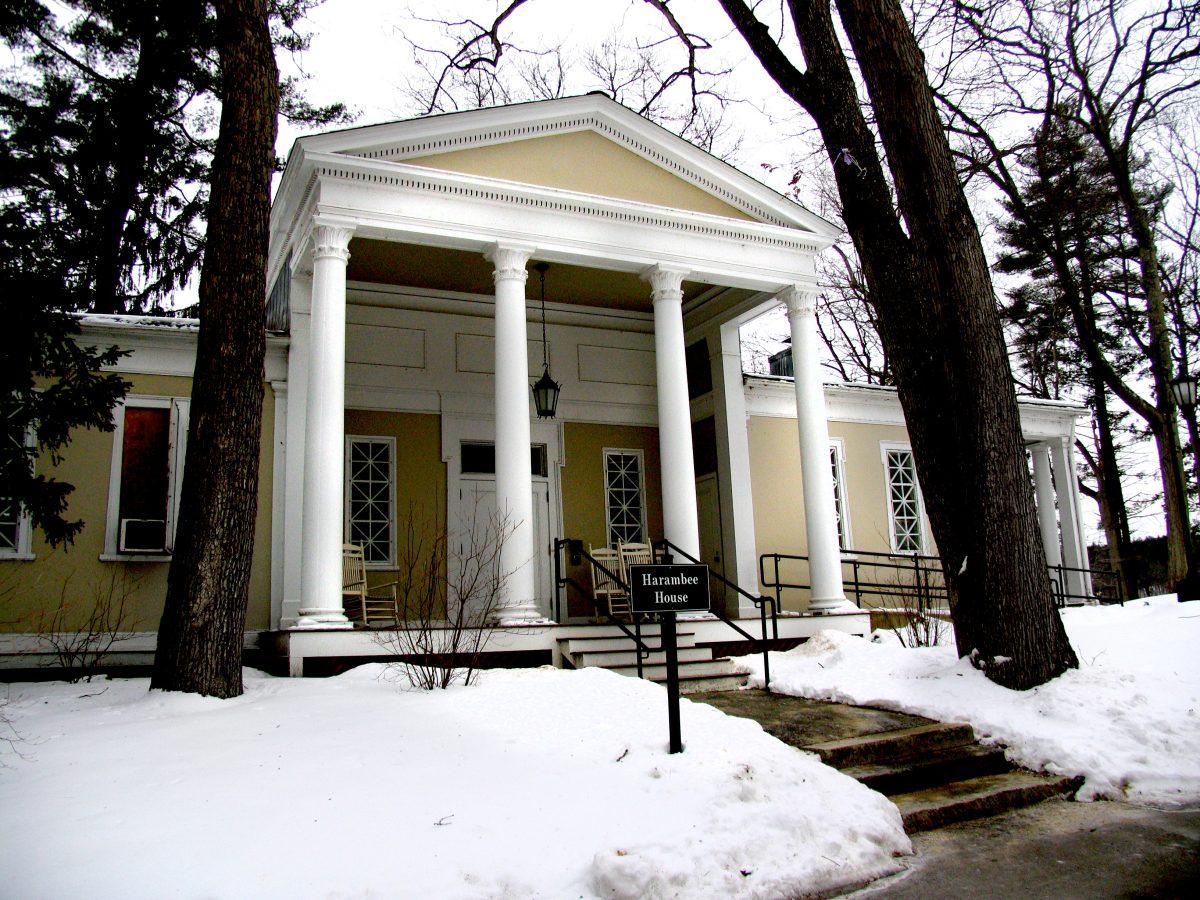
{"points": [[801, 722], [1057, 849]]}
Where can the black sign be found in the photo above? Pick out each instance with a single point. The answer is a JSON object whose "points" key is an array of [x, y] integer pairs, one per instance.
{"points": [[659, 589]]}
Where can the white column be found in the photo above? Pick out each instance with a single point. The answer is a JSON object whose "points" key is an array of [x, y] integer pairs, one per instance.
{"points": [[1047, 518], [278, 499], [824, 554], [680, 521], [733, 463], [1074, 554], [324, 434], [293, 473], [514, 481]]}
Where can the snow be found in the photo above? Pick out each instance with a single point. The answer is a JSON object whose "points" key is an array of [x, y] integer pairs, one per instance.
{"points": [[534, 783], [1128, 718]]}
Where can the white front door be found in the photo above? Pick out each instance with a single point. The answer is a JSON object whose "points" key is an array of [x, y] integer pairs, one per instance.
{"points": [[478, 507]]}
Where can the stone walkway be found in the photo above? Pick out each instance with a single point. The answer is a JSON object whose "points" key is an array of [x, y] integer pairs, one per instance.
{"points": [[801, 722]]}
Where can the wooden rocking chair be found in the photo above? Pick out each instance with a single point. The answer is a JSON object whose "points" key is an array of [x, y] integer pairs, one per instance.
{"points": [[367, 605], [604, 587]]}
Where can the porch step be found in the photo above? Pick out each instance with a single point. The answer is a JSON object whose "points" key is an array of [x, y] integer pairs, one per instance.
{"points": [[975, 798], [607, 644], [591, 632], [722, 667], [612, 659]]}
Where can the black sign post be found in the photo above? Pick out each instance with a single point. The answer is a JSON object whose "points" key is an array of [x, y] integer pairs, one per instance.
{"points": [[664, 591]]}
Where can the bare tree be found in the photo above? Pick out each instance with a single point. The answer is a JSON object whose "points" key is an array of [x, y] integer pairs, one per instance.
{"points": [[930, 286], [1120, 72], [85, 625], [449, 589]]}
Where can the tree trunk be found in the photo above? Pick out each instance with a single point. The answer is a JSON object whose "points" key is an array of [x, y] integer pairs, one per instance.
{"points": [[982, 510], [938, 322], [1114, 516], [203, 625]]}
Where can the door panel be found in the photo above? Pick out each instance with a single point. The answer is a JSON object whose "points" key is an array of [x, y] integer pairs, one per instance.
{"points": [[708, 510], [478, 508]]}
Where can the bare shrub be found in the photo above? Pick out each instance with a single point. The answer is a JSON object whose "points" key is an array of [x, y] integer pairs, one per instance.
{"points": [[84, 626], [913, 610], [448, 593]]}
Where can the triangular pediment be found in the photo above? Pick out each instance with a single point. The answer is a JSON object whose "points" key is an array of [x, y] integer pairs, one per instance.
{"points": [[587, 145]]}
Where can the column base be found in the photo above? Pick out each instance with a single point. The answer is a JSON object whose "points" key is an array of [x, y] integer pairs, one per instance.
{"points": [[323, 619], [525, 614], [830, 604]]}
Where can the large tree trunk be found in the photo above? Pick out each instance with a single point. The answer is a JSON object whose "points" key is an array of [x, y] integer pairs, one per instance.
{"points": [[1114, 516], [203, 624], [938, 321], [983, 513]]}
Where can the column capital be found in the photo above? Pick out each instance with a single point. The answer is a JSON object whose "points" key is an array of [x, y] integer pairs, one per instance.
{"points": [[331, 240], [666, 283], [800, 300], [509, 260]]}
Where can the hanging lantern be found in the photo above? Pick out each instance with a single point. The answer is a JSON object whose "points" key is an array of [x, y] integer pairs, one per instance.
{"points": [[1184, 389], [545, 389]]}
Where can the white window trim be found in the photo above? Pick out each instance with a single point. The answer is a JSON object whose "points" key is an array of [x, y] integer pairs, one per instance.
{"points": [[922, 523], [607, 451], [23, 552], [843, 495], [390, 562], [180, 408]]}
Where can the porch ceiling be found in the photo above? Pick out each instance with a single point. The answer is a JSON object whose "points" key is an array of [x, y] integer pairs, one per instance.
{"points": [[438, 268]]}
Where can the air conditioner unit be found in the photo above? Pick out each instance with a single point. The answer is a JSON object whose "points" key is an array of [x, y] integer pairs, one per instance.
{"points": [[143, 536]]}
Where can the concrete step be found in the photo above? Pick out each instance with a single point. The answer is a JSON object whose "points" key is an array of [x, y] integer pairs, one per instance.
{"points": [[891, 746], [974, 798], [723, 667], [621, 642], [567, 632], [612, 659], [936, 767], [700, 683]]}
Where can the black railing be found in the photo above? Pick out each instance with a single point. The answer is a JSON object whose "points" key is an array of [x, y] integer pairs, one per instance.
{"points": [[562, 581], [913, 581], [667, 550]]}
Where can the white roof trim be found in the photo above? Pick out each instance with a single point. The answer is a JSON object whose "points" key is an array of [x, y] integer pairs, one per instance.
{"points": [[397, 141]]}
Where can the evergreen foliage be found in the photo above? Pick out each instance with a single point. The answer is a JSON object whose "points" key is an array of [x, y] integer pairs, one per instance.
{"points": [[106, 123]]}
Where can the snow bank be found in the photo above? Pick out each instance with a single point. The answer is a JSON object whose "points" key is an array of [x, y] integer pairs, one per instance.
{"points": [[536, 783], [1128, 719]]}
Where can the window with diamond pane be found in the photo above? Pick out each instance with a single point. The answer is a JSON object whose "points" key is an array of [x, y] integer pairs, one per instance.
{"points": [[623, 493], [371, 473], [905, 501], [10, 524], [839, 508]]}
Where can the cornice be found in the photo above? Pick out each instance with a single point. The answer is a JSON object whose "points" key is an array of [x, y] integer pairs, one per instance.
{"points": [[429, 135]]}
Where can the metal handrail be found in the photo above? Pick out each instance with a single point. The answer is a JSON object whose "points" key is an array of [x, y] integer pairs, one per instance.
{"points": [[927, 585], [560, 581], [761, 602]]}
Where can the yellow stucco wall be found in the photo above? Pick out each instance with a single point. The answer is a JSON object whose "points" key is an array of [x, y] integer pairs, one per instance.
{"points": [[420, 472], [583, 488], [779, 524], [582, 161], [76, 575], [583, 478]]}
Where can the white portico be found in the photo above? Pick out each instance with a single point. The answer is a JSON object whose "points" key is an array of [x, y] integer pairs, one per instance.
{"points": [[709, 247]]}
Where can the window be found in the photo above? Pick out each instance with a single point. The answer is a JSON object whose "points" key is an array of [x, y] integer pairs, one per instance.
{"points": [[840, 508], [479, 458], [146, 476], [371, 496], [14, 523], [904, 500], [624, 497]]}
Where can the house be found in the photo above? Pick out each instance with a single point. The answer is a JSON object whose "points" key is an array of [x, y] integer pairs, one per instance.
{"points": [[406, 326]]}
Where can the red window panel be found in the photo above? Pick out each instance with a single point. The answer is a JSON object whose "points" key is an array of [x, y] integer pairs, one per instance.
{"points": [[145, 475]]}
